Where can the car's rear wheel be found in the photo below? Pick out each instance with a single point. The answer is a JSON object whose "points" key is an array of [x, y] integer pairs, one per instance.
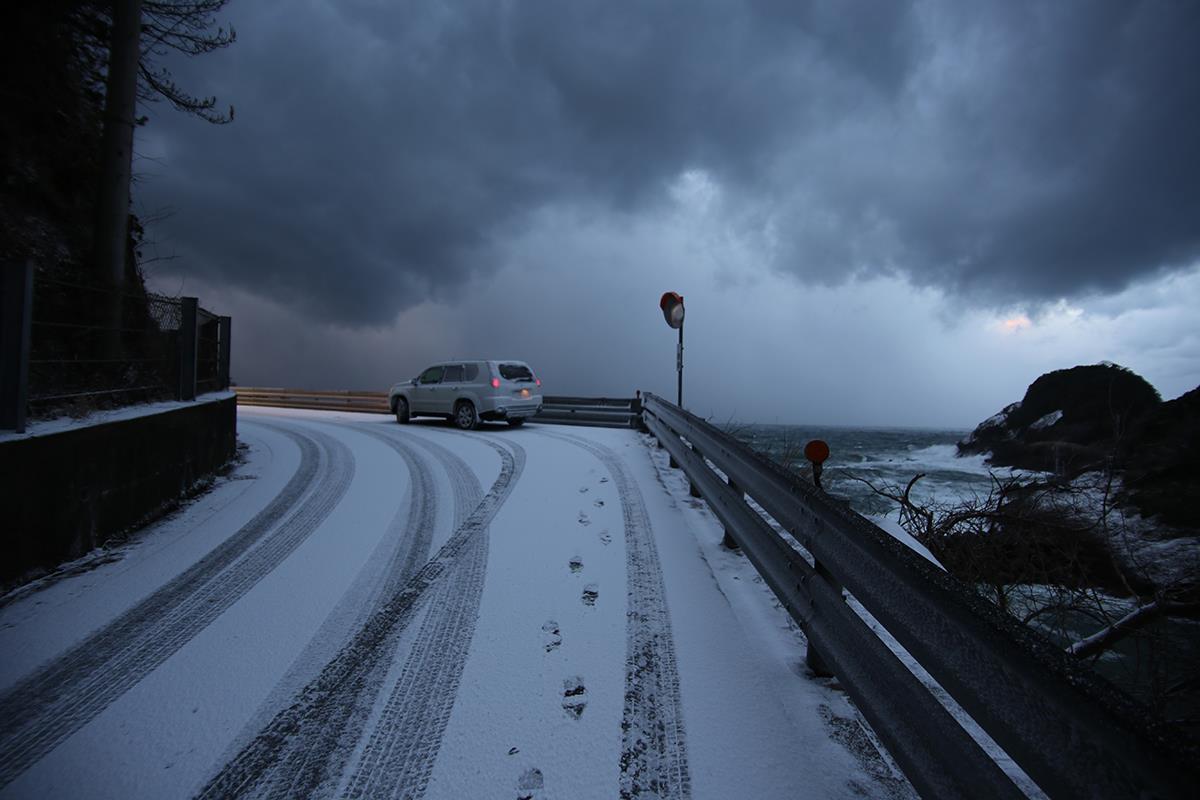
{"points": [[402, 415], [516, 423], [465, 417]]}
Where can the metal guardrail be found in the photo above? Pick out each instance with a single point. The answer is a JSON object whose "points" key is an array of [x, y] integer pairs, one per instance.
{"points": [[371, 402], [603, 411], [594, 411], [1074, 734]]}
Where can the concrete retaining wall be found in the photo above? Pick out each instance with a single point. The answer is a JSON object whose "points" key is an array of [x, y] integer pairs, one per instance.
{"points": [[64, 493]]}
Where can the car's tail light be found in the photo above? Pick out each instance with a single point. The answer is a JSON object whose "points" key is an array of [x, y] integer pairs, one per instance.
{"points": [[495, 383], [538, 381]]}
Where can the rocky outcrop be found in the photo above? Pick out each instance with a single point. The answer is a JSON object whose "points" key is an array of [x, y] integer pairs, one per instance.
{"points": [[1104, 416], [1069, 421], [1161, 466]]}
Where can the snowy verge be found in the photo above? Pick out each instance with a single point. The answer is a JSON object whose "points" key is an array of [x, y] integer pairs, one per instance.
{"points": [[815, 712], [760, 611]]}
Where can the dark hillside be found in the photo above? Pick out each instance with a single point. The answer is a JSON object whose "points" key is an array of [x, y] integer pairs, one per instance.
{"points": [[1162, 465], [1097, 402], [1069, 420], [52, 62], [50, 132]]}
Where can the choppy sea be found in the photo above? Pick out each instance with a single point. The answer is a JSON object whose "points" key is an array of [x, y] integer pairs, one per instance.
{"points": [[882, 456], [893, 456]]}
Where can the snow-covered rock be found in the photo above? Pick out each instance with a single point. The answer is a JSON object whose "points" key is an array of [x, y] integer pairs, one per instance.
{"points": [[1047, 421]]}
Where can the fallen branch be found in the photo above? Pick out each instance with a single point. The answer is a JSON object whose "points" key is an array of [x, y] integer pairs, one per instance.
{"points": [[1138, 618]]}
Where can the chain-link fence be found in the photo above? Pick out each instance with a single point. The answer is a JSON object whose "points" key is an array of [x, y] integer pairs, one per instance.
{"points": [[70, 347], [91, 347], [208, 351]]}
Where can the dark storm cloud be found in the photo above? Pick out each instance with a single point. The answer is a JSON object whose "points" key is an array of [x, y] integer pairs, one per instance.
{"points": [[382, 151]]}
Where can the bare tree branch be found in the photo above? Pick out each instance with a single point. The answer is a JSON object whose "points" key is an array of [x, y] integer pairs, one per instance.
{"points": [[1143, 615]]}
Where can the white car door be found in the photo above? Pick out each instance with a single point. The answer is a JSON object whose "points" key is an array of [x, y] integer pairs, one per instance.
{"points": [[448, 390], [423, 394]]}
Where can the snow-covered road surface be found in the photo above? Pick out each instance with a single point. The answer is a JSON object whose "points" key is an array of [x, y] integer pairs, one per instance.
{"points": [[372, 610]]}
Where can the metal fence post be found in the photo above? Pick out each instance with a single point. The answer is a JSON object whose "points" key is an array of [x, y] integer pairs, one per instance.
{"points": [[15, 324], [727, 541], [812, 658], [187, 347], [224, 325]]}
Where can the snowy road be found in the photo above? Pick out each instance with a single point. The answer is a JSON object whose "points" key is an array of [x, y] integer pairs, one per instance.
{"points": [[372, 610]]}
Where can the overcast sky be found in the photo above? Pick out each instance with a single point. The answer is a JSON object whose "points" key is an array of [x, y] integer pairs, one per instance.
{"points": [[877, 213]]}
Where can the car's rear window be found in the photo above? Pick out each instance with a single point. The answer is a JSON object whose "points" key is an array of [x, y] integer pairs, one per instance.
{"points": [[515, 372], [453, 374], [472, 372]]}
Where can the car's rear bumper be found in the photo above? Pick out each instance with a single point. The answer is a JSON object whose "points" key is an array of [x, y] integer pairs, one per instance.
{"points": [[506, 410]]}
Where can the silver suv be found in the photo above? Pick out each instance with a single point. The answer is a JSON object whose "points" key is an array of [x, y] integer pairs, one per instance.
{"points": [[469, 391]]}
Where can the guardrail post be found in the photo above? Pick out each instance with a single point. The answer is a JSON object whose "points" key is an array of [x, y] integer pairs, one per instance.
{"points": [[727, 540], [816, 451], [224, 324], [692, 490], [813, 657], [187, 347], [15, 321]]}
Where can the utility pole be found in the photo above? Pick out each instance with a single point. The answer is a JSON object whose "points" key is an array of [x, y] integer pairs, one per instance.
{"points": [[679, 368]]}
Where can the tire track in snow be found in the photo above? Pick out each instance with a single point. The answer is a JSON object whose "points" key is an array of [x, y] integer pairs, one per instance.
{"points": [[402, 746], [42, 710], [403, 742], [653, 747], [296, 770], [402, 549], [468, 493], [398, 755], [302, 751], [413, 549]]}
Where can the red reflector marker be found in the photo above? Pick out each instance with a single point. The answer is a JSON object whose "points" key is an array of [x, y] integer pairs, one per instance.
{"points": [[495, 383], [538, 381]]}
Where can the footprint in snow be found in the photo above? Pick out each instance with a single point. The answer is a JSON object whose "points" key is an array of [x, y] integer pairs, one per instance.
{"points": [[604, 480], [605, 538], [591, 593], [576, 563], [583, 519], [583, 490], [598, 504], [574, 696], [530, 784], [550, 635]]}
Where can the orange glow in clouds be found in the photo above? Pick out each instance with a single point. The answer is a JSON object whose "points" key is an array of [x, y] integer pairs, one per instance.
{"points": [[1016, 323]]}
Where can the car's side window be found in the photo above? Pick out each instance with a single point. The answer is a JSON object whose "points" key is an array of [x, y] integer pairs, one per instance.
{"points": [[472, 372], [431, 375], [453, 374]]}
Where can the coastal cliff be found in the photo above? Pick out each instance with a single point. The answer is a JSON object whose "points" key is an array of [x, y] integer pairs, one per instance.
{"points": [[1101, 417]]}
